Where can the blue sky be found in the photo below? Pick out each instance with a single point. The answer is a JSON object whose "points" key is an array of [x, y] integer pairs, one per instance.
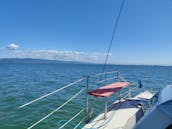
{"points": [[80, 30]]}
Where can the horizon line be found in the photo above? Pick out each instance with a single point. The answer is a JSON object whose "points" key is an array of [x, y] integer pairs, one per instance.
{"points": [[89, 62]]}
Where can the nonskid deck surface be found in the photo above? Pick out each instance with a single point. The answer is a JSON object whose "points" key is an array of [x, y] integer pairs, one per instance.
{"points": [[144, 95], [123, 115]]}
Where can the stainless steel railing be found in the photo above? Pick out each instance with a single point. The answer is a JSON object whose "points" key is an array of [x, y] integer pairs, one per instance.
{"points": [[58, 108], [115, 76]]}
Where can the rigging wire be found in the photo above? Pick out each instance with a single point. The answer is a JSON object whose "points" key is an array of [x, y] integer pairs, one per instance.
{"points": [[110, 45], [113, 35]]}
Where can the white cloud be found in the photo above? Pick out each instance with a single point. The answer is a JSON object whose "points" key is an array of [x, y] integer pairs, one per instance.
{"points": [[60, 55], [13, 46]]}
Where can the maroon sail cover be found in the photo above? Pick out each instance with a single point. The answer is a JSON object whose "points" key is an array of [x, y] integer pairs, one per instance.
{"points": [[108, 90]]}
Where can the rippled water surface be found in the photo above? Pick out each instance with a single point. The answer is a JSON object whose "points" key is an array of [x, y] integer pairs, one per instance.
{"points": [[20, 83]]}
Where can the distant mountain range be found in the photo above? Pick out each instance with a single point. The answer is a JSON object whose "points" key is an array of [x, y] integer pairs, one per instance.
{"points": [[41, 61], [30, 60]]}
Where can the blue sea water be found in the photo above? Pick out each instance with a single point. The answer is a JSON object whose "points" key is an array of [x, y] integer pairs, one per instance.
{"points": [[21, 82]]}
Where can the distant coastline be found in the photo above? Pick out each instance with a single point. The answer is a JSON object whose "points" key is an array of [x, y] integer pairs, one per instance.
{"points": [[46, 61], [31, 60]]}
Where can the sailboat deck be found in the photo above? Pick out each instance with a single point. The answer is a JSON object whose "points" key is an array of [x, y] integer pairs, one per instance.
{"points": [[122, 115]]}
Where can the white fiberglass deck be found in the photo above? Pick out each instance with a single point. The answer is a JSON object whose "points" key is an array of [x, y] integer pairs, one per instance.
{"points": [[123, 115]]}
